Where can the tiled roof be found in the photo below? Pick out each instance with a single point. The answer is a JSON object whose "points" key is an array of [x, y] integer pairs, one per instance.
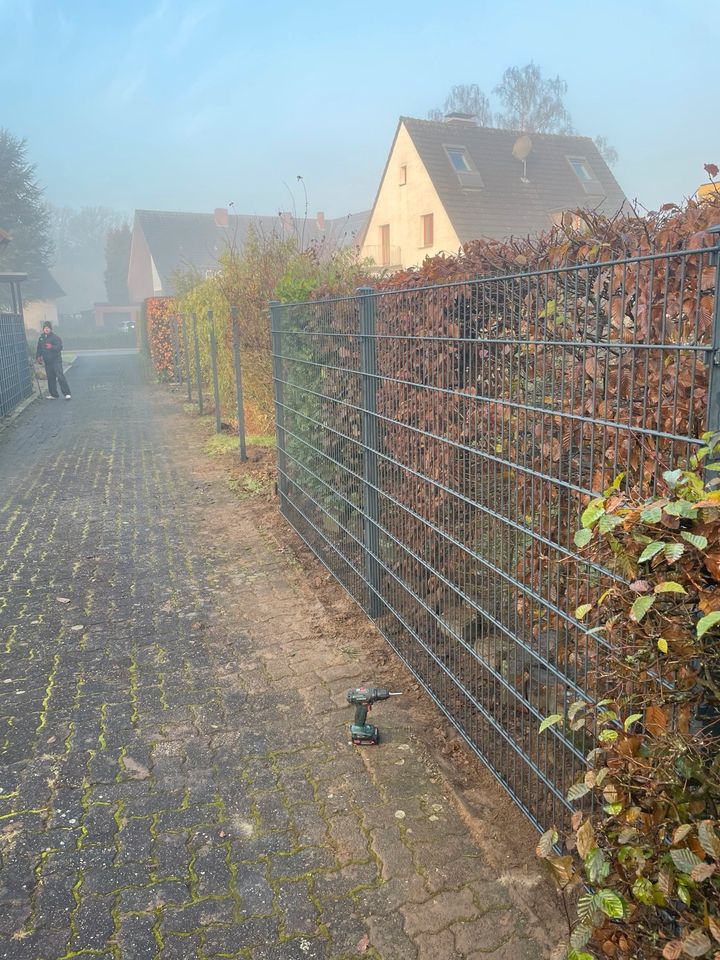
{"points": [[42, 285], [498, 202], [184, 241]]}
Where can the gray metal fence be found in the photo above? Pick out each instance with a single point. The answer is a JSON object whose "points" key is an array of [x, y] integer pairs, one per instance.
{"points": [[15, 372], [436, 447]]}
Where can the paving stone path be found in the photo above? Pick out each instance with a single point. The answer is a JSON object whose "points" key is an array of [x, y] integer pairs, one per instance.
{"points": [[175, 778]]}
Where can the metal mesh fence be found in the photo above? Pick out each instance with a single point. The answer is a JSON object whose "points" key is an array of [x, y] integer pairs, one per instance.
{"points": [[15, 374], [437, 446]]}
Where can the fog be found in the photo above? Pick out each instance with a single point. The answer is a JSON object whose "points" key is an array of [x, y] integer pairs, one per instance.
{"points": [[189, 106]]}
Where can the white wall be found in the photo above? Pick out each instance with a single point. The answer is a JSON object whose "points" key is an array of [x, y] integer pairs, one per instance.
{"points": [[402, 207]]}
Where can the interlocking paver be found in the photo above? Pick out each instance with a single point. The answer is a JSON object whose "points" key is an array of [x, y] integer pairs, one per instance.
{"points": [[175, 777]]}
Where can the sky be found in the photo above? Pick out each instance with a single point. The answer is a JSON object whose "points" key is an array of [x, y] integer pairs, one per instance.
{"points": [[196, 104]]}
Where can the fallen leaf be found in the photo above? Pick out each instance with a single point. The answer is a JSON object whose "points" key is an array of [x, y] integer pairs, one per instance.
{"points": [[672, 950], [362, 944], [78, 626], [63, 599]]}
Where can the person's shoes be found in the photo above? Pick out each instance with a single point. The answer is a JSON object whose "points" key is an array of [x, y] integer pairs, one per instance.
{"points": [[68, 397], [51, 397]]}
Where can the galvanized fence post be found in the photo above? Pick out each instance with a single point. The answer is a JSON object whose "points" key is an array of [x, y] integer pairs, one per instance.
{"points": [[238, 381], [175, 333], [198, 372], [214, 368], [369, 440], [276, 332], [712, 477], [183, 317]]}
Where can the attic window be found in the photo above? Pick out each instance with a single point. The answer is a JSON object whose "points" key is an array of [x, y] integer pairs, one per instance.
{"points": [[463, 166], [586, 175], [459, 159], [403, 175], [581, 169]]}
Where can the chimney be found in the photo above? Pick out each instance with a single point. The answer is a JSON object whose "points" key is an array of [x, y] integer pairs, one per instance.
{"points": [[320, 220], [221, 217], [461, 117]]}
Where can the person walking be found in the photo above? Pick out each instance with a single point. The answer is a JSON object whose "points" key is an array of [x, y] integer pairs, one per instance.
{"points": [[49, 350]]}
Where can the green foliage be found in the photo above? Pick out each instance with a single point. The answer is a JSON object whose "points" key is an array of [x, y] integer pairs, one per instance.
{"points": [[266, 268], [24, 213], [649, 845]]}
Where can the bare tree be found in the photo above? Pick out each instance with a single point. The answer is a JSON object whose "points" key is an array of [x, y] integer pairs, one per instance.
{"points": [[531, 103], [469, 99], [607, 151]]}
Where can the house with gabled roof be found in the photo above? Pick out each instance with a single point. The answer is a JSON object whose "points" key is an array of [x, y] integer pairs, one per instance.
{"points": [[451, 181], [166, 243], [41, 293]]}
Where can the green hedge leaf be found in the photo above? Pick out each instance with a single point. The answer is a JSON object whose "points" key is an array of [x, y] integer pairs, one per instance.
{"points": [[641, 607], [684, 859], [670, 586], [592, 512], [610, 904], [696, 539], [651, 550], [577, 790], [707, 623], [549, 721], [673, 552], [583, 537]]}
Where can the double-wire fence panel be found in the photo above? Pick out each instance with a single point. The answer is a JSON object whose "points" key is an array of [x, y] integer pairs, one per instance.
{"points": [[437, 446], [15, 374]]}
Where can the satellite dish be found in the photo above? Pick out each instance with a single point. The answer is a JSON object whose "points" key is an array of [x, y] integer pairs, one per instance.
{"points": [[523, 146]]}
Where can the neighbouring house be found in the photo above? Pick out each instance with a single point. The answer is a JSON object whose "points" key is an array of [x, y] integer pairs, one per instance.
{"points": [[41, 293], [451, 181], [167, 243]]}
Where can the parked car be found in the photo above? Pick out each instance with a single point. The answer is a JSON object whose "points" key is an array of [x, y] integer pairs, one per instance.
{"points": [[127, 326]]}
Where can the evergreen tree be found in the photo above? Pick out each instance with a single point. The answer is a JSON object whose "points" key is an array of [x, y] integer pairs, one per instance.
{"points": [[23, 211], [117, 262]]}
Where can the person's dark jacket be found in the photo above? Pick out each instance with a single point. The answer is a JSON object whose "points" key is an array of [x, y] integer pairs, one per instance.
{"points": [[49, 347]]}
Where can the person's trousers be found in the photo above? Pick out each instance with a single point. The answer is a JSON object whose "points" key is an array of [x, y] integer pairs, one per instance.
{"points": [[55, 376]]}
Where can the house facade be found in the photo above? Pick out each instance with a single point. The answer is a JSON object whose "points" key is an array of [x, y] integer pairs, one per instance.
{"points": [[40, 296], [448, 182]]}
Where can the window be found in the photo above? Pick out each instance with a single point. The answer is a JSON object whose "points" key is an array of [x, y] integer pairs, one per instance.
{"points": [[403, 175], [582, 170], [459, 159], [465, 170], [427, 229], [385, 244]]}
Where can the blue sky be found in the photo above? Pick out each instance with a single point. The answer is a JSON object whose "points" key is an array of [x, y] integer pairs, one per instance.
{"points": [[187, 105]]}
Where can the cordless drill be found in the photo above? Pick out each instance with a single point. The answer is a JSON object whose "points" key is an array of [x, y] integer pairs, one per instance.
{"points": [[362, 698]]}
